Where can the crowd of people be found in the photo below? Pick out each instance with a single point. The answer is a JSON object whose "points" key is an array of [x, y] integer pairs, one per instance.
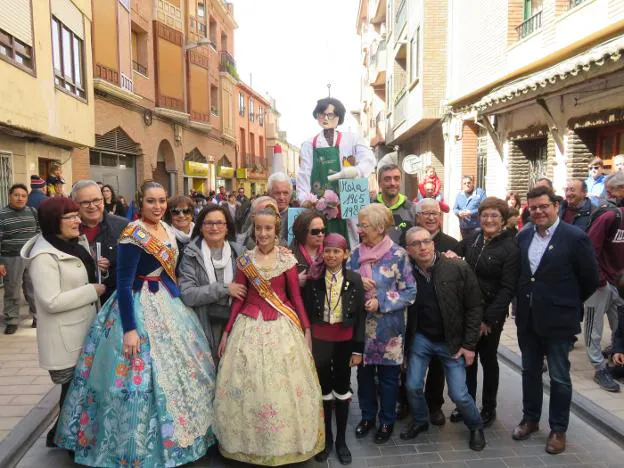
{"points": [[172, 324]]}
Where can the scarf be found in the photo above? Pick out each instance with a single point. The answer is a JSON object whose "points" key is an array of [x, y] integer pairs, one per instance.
{"points": [[225, 263], [370, 255], [73, 248], [315, 264], [183, 236]]}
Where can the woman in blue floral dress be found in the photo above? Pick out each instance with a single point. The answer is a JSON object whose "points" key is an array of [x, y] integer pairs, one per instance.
{"points": [[143, 387], [389, 288]]}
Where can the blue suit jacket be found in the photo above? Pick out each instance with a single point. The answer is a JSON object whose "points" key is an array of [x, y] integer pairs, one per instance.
{"points": [[550, 301]]}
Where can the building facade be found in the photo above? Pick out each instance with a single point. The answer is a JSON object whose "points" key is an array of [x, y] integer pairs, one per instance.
{"points": [[252, 162], [164, 78], [535, 89], [46, 97]]}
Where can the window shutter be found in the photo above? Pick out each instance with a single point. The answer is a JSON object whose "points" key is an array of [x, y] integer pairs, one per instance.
{"points": [[16, 19], [69, 15]]}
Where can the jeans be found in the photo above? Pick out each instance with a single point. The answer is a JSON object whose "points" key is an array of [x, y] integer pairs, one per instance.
{"points": [[434, 386], [487, 354], [388, 391], [605, 301], [421, 353], [533, 348]]}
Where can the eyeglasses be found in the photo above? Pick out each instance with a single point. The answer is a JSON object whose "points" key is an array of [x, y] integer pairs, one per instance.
{"points": [[423, 243], [181, 211], [429, 214], [594, 167], [317, 232], [94, 202], [328, 116], [543, 207], [363, 226], [71, 217], [490, 216], [214, 224]]}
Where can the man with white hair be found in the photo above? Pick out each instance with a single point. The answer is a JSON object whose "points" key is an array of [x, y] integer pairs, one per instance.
{"points": [[618, 163], [280, 189], [101, 228]]}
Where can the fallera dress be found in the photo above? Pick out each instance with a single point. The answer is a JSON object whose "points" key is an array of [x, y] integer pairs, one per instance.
{"points": [[268, 403], [156, 409]]}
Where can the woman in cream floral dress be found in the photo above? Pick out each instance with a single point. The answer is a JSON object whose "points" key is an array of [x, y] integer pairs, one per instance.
{"points": [[268, 403]]}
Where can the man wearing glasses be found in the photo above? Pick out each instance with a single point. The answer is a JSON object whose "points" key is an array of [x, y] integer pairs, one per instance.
{"points": [[99, 227], [443, 323], [558, 272], [596, 179], [467, 206]]}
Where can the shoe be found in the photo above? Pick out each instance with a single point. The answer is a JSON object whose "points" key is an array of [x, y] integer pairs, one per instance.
{"points": [[604, 378], [34, 324], [324, 454], [488, 416], [524, 430], [402, 411], [456, 416], [607, 352], [383, 433], [413, 430], [50, 438], [556, 442], [344, 454], [363, 428], [10, 329], [477, 440], [436, 417]]}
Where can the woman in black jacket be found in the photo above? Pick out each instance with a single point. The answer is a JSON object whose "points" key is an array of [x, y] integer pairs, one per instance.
{"points": [[494, 256]]}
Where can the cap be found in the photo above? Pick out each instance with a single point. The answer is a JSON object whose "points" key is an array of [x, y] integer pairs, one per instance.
{"points": [[37, 182], [336, 241]]}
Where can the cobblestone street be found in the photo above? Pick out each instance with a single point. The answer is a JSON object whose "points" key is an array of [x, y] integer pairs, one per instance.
{"points": [[444, 447]]}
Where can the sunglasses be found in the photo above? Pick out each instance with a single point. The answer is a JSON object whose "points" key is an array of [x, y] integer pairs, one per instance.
{"points": [[181, 211], [317, 232]]}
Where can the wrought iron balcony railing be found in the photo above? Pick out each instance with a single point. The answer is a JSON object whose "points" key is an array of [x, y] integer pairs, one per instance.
{"points": [[530, 25]]}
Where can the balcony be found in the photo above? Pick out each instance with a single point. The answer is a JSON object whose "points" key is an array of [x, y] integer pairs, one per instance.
{"points": [[137, 67], [530, 25], [228, 64], [378, 65], [399, 113], [400, 18], [575, 3]]}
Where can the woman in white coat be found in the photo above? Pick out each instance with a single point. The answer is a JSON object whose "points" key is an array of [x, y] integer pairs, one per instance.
{"points": [[66, 292]]}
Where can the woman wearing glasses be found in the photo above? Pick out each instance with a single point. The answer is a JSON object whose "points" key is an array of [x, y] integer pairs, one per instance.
{"points": [[495, 258], [307, 245], [180, 218], [207, 271]]}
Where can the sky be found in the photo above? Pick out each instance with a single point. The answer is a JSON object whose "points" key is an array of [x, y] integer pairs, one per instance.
{"points": [[293, 49]]}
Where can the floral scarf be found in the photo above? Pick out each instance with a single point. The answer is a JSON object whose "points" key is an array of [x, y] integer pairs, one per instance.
{"points": [[370, 255]]}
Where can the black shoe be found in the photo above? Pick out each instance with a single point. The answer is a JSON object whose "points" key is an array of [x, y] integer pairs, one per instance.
{"points": [[10, 329], [50, 438], [413, 430], [383, 433], [488, 416], [456, 416], [437, 418], [363, 428], [477, 440], [34, 324], [344, 454], [402, 411]]}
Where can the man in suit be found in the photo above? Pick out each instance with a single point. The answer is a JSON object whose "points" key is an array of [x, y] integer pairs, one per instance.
{"points": [[558, 273]]}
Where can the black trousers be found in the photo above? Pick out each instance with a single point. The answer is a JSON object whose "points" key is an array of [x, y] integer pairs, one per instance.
{"points": [[486, 353], [434, 386], [332, 365]]}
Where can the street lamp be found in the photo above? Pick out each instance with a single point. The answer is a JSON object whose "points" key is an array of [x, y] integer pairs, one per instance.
{"points": [[192, 45]]}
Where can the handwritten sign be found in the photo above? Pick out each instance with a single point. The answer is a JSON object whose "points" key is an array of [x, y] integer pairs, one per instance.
{"points": [[292, 215], [353, 196]]}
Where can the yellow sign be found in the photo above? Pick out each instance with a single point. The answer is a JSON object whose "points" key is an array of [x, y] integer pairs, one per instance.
{"points": [[196, 169], [241, 173], [225, 172]]}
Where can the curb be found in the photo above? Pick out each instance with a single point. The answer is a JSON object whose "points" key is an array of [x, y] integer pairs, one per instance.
{"points": [[596, 416], [26, 433]]}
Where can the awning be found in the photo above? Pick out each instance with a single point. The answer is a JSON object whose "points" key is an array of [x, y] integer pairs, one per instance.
{"points": [[597, 56]]}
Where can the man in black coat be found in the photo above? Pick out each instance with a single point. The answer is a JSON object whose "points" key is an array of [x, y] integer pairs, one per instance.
{"points": [[558, 272], [444, 322], [99, 227]]}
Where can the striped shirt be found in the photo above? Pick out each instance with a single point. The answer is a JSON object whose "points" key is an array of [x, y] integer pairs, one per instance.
{"points": [[16, 228]]}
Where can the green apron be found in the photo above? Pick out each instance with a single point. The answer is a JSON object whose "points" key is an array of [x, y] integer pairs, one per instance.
{"points": [[325, 162]]}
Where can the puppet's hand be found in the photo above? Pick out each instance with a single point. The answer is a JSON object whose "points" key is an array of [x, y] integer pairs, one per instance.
{"points": [[346, 173]]}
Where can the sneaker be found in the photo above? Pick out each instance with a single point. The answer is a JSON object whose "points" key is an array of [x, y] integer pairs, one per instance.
{"points": [[604, 378]]}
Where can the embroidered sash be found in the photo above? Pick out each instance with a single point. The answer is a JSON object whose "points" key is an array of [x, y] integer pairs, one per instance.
{"points": [[265, 289], [137, 235]]}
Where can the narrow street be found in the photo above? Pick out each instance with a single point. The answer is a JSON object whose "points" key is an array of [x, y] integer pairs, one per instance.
{"points": [[441, 447]]}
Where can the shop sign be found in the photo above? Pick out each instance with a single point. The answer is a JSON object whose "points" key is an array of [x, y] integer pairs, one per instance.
{"points": [[241, 173], [225, 172], [196, 169]]}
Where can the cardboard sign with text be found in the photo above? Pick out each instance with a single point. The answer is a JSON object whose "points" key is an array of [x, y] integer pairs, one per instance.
{"points": [[353, 197]]}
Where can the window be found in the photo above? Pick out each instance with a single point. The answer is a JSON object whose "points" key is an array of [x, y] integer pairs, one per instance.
{"points": [[252, 146], [532, 7], [201, 10], [224, 41], [251, 109], [139, 51], [261, 116], [241, 104], [15, 50], [243, 147], [415, 56], [212, 30], [67, 50], [214, 99]]}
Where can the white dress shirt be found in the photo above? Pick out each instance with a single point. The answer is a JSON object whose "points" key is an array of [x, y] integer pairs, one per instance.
{"points": [[539, 244]]}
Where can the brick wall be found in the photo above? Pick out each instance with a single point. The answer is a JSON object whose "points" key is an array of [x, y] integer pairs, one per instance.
{"points": [[515, 16], [434, 53], [80, 164], [470, 134], [518, 181], [581, 150]]}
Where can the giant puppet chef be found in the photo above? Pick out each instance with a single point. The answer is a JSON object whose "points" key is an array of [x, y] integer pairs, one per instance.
{"points": [[332, 155]]}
